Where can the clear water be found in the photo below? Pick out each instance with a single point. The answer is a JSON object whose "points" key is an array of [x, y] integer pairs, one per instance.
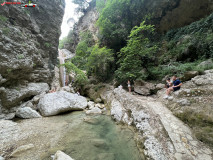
{"points": [[96, 138]]}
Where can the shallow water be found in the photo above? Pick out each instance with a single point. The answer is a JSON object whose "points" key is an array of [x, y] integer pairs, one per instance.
{"points": [[95, 138]]}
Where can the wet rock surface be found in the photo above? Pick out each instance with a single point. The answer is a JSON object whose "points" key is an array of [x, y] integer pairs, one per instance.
{"points": [[164, 135]]}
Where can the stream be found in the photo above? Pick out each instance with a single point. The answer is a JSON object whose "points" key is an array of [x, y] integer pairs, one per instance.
{"points": [[83, 137]]}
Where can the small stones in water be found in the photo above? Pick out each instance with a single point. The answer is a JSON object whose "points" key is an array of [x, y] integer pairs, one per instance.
{"points": [[21, 149], [61, 156], [94, 110]]}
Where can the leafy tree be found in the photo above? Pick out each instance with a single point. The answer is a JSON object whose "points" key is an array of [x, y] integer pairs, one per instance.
{"points": [[83, 50], [100, 62], [81, 78], [136, 56], [116, 20]]}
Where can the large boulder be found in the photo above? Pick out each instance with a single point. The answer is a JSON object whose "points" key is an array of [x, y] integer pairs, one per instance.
{"points": [[59, 102], [144, 88], [12, 97], [189, 75], [27, 113], [61, 156], [206, 64], [206, 79]]}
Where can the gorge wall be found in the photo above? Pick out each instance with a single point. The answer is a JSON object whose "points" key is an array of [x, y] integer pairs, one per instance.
{"points": [[28, 50]]}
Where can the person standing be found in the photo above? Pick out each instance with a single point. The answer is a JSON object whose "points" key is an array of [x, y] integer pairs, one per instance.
{"points": [[129, 85]]}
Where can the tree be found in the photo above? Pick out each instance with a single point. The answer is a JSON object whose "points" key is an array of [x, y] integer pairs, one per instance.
{"points": [[80, 77], [100, 62], [135, 57], [116, 20]]}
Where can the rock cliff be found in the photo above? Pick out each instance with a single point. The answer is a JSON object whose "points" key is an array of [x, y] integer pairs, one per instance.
{"points": [[28, 49]]}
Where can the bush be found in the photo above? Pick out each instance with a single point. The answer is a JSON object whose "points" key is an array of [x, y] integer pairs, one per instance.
{"points": [[3, 18], [81, 78], [100, 62], [136, 57]]}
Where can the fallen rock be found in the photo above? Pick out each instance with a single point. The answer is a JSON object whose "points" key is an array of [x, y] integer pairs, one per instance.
{"points": [[7, 116], [101, 106], [91, 104], [99, 143], [206, 64], [98, 100], [59, 102], [189, 75], [116, 110], [13, 97], [68, 89], [160, 86], [21, 149], [27, 113], [61, 156], [205, 79], [94, 110], [183, 102], [144, 88]]}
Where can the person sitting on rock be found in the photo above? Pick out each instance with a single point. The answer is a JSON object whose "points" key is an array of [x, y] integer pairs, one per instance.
{"points": [[168, 83], [176, 86]]}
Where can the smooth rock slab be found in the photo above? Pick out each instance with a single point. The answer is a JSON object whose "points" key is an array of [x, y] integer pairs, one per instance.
{"points": [[61, 156], [54, 103], [27, 113]]}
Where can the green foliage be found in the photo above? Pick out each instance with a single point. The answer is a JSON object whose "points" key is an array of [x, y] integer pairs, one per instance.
{"points": [[177, 68], [190, 43], [81, 78], [136, 56], [100, 62], [3, 18], [83, 49], [116, 20], [66, 40]]}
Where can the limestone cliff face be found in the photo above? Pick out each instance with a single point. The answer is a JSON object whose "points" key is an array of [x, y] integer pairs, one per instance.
{"points": [[28, 46]]}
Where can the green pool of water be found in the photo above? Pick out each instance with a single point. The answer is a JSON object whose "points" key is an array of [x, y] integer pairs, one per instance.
{"points": [[95, 138]]}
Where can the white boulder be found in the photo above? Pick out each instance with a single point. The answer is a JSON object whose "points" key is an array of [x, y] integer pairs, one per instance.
{"points": [[27, 113], [61, 156], [91, 104], [59, 102]]}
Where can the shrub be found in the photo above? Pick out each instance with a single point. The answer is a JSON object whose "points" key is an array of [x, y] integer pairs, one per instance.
{"points": [[137, 55], [100, 62], [81, 78], [3, 18]]}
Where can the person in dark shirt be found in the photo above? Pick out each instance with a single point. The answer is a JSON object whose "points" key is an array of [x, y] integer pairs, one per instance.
{"points": [[176, 86]]}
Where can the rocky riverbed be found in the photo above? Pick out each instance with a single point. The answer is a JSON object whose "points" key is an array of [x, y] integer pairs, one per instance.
{"points": [[79, 135]]}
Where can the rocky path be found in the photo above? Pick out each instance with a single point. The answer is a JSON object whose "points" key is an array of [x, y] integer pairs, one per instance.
{"points": [[186, 145]]}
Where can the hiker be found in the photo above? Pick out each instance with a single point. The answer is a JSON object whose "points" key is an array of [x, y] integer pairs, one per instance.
{"points": [[176, 86], [168, 83], [129, 85]]}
